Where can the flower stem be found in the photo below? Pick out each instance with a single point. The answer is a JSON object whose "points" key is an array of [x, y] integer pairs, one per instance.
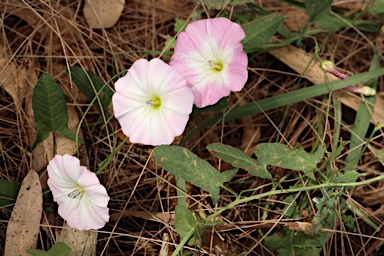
{"points": [[291, 190]]}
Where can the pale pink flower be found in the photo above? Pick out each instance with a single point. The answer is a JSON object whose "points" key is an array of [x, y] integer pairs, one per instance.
{"points": [[210, 56], [329, 67], [152, 103], [81, 198], [365, 90]]}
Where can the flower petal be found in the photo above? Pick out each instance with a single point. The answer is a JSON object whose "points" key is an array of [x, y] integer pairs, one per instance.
{"points": [[141, 121], [87, 207], [210, 56]]}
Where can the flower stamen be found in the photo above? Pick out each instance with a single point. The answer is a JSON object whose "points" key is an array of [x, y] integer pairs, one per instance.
{"points": [[216, 66], [75, 193], [154, 102]]}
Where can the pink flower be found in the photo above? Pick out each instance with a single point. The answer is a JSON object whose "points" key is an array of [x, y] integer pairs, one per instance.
{"points": [[365, 90], [210, 56], [152, 103], [329, 67], [81, 198]]}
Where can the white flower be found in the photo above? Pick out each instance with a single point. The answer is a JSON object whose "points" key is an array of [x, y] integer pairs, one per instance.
{"points": [[152, 103], [81, 198]]}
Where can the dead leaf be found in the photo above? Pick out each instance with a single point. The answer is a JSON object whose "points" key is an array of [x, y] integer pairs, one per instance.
{"points": [[298, 60], [103, 13], [24, 224], [300, 226], [82, 242], [13, 80]]}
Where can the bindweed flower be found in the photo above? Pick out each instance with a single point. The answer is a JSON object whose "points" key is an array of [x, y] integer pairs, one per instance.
{"points": [[329, 67], [152, 103], [365, 90], [210, 56], [81, 198]]}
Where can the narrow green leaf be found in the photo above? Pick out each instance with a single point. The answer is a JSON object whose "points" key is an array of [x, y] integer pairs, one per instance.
{"points": [[50, 110], [91, 86], [238, 159], [286, 99], [315, 8], [259, 32], [58, 249], [8, 193], [281, 155], [362, 120], [350, 176], [184, 164]]}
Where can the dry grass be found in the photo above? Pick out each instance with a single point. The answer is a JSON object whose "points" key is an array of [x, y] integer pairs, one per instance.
{"points": [[45, 36]]}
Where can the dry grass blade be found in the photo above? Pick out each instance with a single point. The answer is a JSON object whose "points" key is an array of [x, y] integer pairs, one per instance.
{"points": [[24, 224]]}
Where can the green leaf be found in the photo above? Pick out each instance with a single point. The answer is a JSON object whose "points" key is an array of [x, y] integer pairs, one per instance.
{"points": [[316, 9], [219, 4], [50, 109], [91, 86], [185, 223], [58, 249], [281, 155], [350, 176], [377, 7], [238, 159], [331, 21], [294, 243], [179, 25], [259, 32], [362, 121], [8, 193], [184, 164]]}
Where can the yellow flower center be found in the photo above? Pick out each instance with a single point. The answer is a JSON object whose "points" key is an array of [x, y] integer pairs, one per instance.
{"points": [[216, 66], [154, 102]]}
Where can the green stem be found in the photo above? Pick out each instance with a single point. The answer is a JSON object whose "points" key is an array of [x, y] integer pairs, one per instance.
{"points": [[291, 190], [183, 242]]}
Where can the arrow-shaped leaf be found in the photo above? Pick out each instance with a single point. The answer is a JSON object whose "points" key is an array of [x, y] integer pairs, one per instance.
{"points": [[281, 155], [50, 109], [238, 159], [184, 164]]}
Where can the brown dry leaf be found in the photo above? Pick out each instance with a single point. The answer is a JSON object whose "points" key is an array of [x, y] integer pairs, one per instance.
{"points": [[24, 224], [300, 226], [82, 242], [103, 13], [298, 60], [13, 80]]}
